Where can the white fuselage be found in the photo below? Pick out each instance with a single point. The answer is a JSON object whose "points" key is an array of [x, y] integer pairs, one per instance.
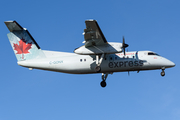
{"points": [[84, 64]]}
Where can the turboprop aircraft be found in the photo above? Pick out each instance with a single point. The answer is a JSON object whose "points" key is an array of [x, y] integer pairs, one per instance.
{"points": [[95, 56]]}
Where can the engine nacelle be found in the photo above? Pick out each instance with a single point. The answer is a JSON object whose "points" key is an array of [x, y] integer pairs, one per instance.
{"points": [[108, 48]]}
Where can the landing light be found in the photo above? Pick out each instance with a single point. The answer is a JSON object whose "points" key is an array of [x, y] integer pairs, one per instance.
{"points": [[30, 68]]}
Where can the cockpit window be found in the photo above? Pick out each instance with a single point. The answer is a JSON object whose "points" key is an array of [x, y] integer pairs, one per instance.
{"points": [[151, 53]]}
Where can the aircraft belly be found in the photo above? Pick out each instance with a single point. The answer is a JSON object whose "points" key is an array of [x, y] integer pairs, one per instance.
{"points": [[75, 68], [72, 67]]}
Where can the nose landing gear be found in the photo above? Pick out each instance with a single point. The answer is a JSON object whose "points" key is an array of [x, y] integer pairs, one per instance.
{"points": [[163, 72], [103, 82]]}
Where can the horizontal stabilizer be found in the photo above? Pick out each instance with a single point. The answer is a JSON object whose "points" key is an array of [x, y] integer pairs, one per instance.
{"points": [[13, 26]]}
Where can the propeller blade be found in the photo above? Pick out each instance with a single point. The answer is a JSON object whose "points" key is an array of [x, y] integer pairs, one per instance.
{"points": [[124, 45], [124, 51], [123, 41]]}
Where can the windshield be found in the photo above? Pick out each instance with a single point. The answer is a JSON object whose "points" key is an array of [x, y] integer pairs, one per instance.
{"points": [[151, 53]]}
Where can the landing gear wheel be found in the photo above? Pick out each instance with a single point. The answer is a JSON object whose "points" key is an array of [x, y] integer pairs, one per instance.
{"points": [[162, 73], [103, 84], [98, 69]]}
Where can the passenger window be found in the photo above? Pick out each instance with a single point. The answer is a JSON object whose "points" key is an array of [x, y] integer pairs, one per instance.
{"points": [[85, 60], [80, 60], [111, 58]]}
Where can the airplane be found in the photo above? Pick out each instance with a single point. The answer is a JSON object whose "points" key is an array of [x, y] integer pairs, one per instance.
{"points": [[95, 56]]}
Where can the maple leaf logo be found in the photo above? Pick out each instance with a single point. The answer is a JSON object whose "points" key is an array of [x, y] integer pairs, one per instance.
{"points": [[22, 48]]}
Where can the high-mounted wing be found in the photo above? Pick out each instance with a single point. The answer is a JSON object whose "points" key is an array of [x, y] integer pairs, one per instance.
{"points": [[95, 42], [93, 35]]}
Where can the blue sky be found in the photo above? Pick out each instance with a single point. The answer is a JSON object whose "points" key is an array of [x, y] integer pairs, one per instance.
{"points": [[58, 25]]}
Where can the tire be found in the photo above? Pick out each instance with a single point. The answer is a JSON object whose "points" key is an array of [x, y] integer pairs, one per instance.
{"points": [[103, 84], [162, 73]]}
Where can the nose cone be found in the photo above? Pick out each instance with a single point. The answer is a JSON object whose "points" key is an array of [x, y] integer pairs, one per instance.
{"points": [[171, 64], [168, 63]]}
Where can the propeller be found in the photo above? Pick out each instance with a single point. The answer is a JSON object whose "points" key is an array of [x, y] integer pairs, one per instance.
{"points": [[124, 45]]}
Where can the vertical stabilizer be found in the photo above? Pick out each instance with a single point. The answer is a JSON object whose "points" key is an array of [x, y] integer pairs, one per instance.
{"points": [[23, 44]]}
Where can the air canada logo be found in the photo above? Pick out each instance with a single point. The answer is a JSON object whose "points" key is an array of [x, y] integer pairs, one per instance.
{"points": [[23, 47]]}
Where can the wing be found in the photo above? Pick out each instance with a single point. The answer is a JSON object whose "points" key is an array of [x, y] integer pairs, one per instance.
{"points": [[93, 35]]}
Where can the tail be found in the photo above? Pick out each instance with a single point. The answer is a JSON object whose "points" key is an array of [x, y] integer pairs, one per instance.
{"points": [[23, 44]]}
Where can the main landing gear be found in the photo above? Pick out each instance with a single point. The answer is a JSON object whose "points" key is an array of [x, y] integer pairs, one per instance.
{"points": [[98, 63], [103, 82], [98, 69]]}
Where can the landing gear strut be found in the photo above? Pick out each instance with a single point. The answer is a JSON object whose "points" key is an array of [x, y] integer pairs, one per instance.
{"points": [[163, 72], [98, 63], [103, 82]]}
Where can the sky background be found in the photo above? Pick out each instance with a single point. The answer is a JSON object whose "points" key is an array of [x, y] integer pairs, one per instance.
{"points": [[58, 25]]}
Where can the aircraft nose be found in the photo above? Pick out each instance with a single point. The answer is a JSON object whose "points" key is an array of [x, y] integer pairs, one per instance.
{"points": [[169, 63]]}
